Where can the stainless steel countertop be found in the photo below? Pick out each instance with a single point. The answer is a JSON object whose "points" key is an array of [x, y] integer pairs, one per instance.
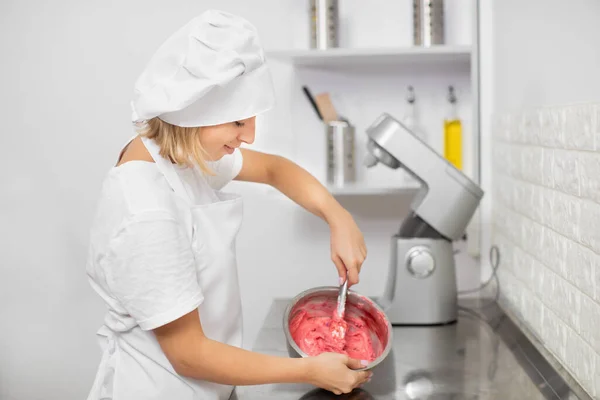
{"points": [[482, 356]]}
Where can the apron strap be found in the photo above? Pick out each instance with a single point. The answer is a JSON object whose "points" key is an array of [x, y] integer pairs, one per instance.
{"points": [[166, 168]]}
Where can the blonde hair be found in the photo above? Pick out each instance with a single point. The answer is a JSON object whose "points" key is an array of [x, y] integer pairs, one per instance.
{"points": [[179, 144]]}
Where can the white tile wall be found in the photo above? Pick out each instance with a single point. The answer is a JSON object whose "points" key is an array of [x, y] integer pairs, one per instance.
{"points": [[546, 214]]}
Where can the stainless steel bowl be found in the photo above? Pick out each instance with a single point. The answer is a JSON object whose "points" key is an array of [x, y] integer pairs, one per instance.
{"points": [[355, 303]]}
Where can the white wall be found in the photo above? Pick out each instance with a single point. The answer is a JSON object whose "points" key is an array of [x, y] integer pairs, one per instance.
{"points": [[67, 75], [545, 52], [546, 174]]}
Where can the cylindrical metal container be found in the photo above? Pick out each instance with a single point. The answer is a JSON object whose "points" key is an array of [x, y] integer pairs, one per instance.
{"points": [[428, 22], [323, 24], [341, 168]]}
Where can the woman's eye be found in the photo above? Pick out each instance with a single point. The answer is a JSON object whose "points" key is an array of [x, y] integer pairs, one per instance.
{"points": [[238, 123]]}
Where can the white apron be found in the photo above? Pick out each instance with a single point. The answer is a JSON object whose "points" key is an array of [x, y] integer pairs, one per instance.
{"points": [[133, 366]]}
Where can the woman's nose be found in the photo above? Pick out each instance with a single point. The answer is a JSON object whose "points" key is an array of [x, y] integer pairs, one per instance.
{"points": [[247, 136]]}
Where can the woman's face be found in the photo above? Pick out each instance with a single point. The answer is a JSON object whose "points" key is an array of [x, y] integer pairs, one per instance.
{"points": [[222, 139]]}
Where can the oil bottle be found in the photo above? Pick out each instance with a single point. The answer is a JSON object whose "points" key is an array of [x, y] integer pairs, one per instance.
{"points": [[411, 118], [453, 132]]}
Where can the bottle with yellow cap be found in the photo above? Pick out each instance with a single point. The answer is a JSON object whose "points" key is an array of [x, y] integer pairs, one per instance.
{"points": [[453, 132]]}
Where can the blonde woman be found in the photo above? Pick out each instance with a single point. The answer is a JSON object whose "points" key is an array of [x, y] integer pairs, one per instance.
{"points": [[162, 244]]}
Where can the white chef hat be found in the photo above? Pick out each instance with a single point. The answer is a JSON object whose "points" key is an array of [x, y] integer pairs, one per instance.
{"points": [[211, 71]]}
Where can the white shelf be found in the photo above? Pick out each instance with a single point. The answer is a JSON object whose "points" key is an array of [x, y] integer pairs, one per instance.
{"points": [[349, 58], [365, 189]]}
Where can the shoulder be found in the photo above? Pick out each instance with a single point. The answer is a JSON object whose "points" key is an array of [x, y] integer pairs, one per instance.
{"points": [[141, 188]]}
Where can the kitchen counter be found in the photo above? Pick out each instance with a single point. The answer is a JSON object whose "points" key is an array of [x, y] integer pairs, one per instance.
{"points": [[482, 356]]}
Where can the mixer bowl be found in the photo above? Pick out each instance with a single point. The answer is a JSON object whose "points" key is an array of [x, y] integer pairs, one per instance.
{"points": [[356, 304]]}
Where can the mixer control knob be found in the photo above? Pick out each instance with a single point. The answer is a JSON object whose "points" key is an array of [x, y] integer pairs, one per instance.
{"points": [[420, 262]]}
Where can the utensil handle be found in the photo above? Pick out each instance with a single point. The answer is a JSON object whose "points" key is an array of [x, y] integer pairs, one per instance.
{"points": [[312, 101], [341, 306]]}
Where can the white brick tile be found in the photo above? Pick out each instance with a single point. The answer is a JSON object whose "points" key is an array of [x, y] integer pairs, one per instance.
{"points": [[506, 122], [517, 134], [529, 271], [532, 236], [596, 129], [522, 264], [554, 334], [551, 129], [595, 262], [532, 164], [578, 127], [567, 304], [515, 194], [547, 206], [563, 299], [590, 225], [596, 390], [511, 225], [550, 284], [536, 204], [510, 291], [558, 125], [532, 311], [501, 157], [590, 321], [566, 213], [521, 194], [589, 170], [554, 251], [548, 167], [501, 219], [538, 277], [566, 176], [579, 267], [529, 127], [514, 161], [527, 200], [580, 359], [502, 190]]}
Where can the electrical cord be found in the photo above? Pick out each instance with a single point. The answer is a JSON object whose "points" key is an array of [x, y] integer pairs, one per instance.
{"points": [[495, 263]]}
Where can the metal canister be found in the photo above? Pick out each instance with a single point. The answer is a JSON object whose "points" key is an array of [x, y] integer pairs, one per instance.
{"points": [[340, 153], [428, 22], [323, 24]]}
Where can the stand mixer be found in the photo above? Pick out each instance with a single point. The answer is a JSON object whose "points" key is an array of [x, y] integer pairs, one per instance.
{"points": [[421, 285]]}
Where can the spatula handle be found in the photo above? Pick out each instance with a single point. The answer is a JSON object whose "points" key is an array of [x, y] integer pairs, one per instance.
{"points": [[341, 302]]}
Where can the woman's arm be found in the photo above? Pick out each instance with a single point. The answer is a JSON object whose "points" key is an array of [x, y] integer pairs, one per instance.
{"points": [[348, 250], [188, 350], [194, 355]]}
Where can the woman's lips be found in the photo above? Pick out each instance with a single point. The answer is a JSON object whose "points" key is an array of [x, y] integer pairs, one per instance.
{"points": [[229, 150]]}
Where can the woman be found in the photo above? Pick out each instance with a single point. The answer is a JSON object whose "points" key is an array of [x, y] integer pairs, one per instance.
{"points": [[162, 244]]}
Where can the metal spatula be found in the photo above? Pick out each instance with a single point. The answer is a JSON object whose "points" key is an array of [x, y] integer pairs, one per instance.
{"points": [[338, 325], [341, 300]]}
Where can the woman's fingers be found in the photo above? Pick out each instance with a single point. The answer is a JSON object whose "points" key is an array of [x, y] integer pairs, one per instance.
{"points": [[353, 271]]}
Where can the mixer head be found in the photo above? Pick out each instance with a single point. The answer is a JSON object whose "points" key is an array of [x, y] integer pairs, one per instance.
{"points": [[376, 154]]}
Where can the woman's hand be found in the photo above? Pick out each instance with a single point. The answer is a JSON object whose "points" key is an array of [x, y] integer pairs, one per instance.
{"points": [[348, 249], [335, 372]]}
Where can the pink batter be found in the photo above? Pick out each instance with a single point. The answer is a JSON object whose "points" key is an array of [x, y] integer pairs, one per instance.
{"points": [[315, 329]]}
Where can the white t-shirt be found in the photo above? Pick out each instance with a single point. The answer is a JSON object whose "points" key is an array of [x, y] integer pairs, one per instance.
{"points": [[140, 260]]}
